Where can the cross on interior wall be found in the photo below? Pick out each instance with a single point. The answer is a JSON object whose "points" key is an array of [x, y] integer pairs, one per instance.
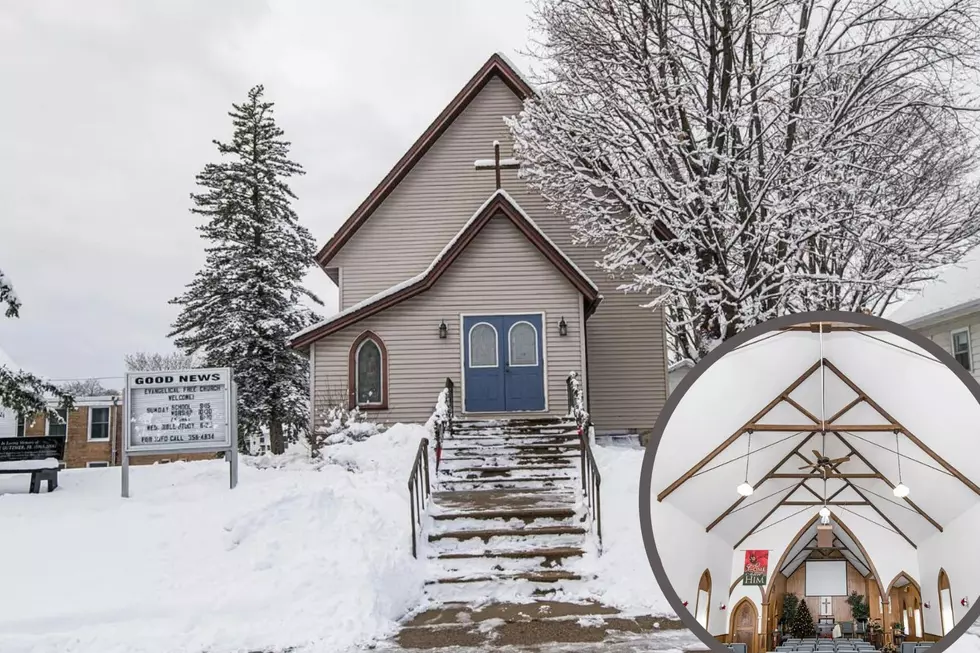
{"points": [[496, 163], [825, 604]]}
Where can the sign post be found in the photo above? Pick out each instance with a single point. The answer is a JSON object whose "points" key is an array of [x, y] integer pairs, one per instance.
{"points": [[180, 411]]}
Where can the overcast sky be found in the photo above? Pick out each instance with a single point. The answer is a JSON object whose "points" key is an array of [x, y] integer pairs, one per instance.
{"points": [[108, 112]]}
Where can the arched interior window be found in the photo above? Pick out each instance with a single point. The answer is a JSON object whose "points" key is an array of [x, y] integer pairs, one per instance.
{"points": [[368, 372], [523, 345], [483, 345], [702, 607], [945, 602]]}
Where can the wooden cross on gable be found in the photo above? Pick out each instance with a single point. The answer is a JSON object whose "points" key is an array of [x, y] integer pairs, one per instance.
{"points": [[496, 163]]}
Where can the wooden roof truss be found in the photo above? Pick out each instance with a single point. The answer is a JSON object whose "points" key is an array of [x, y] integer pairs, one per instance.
{"points": [[837, 426]]}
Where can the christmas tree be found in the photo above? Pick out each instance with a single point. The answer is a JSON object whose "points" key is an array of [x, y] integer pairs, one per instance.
{"points": [[803, 625], [246, 301]]}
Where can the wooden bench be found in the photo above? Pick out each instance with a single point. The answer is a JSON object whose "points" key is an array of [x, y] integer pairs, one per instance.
{"points": [[37, 456]]}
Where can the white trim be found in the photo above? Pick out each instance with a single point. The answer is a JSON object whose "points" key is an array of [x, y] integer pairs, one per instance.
{"points": [[340, 288], [537, 354], [97, 464], [496, 348], [357, 373], [969, 344], [544, 365], [88, 432], [313, 387], [583, 352]]}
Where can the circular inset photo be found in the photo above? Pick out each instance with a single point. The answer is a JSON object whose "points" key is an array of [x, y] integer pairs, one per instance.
{"points": [[813, 485]]}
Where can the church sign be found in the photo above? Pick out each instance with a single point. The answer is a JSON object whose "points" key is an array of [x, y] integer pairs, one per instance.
{"points": [[180, 411], [756, 567]]}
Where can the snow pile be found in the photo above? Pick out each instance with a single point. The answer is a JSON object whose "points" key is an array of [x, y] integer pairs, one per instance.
{"points": [[314, 559], [624, 578]]}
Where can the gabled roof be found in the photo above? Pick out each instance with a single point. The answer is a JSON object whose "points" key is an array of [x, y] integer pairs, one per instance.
{"points": [[952, 294], [495, 67], [498, 204]]}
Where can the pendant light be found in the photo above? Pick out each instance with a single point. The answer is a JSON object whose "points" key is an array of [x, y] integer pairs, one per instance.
{"points": [[745, 489], [901, 490]]}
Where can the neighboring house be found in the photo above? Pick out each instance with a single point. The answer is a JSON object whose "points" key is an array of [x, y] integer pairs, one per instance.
{"points": [[94, 431], [947, 311], [444, 274]]}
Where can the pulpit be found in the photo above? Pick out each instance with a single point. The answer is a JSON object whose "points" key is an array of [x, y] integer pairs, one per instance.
{"points": [[825, 627]]}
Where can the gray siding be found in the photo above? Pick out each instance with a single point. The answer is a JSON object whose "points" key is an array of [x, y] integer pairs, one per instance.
{"points": [[626, 375], [942, 335], [500, 272]]}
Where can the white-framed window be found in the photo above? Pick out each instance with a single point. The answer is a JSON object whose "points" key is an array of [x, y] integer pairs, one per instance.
{"points": [[97, 463], [483, 345], [960, 346], [98, 423], [21, 426], [58, 427], [523, 345]]}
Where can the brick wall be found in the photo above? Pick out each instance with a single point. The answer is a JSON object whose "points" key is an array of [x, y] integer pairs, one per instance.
{"points": [[79, 450]]}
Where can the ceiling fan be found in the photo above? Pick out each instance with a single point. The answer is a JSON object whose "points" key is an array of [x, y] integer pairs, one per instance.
{"points": [[824, 464]]}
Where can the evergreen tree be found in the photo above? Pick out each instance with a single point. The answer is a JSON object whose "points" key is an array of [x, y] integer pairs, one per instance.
{"points": [[803, 625], [246, 300]]}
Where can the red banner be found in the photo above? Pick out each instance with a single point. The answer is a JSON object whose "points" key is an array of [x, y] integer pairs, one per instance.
{"points": [[756, 567]]}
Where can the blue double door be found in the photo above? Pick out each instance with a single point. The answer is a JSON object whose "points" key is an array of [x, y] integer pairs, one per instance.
{"points": [[503, 363]]}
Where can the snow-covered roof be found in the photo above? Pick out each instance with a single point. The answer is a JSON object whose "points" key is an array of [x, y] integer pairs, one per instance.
{"points": [[954, 292], [499, 197], [759, 414]]}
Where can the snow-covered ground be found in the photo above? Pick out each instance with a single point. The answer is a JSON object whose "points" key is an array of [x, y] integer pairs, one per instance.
{"points": [[294, 556], [314, 557]]}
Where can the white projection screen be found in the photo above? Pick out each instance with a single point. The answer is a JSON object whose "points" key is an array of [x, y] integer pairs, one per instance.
{"points": [[826, 578]]}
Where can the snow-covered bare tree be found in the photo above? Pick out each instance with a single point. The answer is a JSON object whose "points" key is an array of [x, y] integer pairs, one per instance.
{"points": [[22, 392], [87, 388], [742, 159], [143, 361], [247, 299]]}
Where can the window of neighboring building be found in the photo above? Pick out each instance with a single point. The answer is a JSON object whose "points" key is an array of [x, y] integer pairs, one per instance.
{"points": [[368, 369], [21, 426], [98, 423], [62, 464], [961, 347], [100, 463], [58, 426]]}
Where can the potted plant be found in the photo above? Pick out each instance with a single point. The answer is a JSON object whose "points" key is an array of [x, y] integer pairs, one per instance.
{"points": [[790, 603], [898, 632], [860, 610]]}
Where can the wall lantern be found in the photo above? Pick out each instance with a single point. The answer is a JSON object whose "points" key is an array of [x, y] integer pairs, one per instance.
{"points": [[563, 327], [443, 330], [926, 605], [722, 606], [685, 604], [965, 602]]}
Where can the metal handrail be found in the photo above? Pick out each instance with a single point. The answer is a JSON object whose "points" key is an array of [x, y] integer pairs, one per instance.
{"points": [[419, 491], [591, 478]]}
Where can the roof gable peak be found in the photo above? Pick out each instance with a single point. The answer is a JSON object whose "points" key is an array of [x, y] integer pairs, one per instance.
{"points": [[497, 66]]}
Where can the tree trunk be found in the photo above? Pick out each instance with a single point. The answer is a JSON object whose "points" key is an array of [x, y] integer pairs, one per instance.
{"points": [[276, 441]]}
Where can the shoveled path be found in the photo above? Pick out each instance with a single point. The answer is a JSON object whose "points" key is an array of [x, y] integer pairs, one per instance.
{"points": [[542, 626]]}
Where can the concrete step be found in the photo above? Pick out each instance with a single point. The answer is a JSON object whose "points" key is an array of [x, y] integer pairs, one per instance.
{"points": [[510, 448], [488, 534], [549, 482], [555, 553], [473, 422], [493, 458], [545, 576], [526, 515]]}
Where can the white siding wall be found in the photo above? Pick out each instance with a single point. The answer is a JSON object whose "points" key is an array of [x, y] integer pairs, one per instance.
{"points": [[627, 376], [419, 361], [942, 335], [8, 423]]}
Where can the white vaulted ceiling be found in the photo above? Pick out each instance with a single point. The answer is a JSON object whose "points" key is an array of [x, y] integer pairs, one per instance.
{"points": [[864, 385]]}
